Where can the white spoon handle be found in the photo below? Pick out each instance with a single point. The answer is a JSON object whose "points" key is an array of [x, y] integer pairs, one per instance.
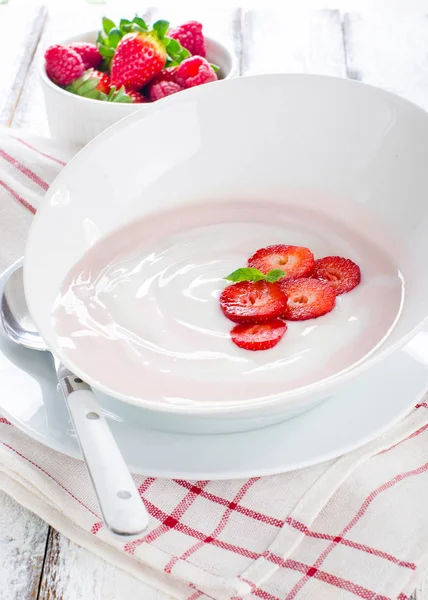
{"points": [[120, 503]]}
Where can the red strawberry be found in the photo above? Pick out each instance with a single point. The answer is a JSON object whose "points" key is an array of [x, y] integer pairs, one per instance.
{"points": [[92, 84], [341, 273], [296, 261], [104, 81], [63, 65], [248, 302], [258, 336], [138, 58], [307, 298], [137, 98], [89, 54], [190, 37], [195, 70]]}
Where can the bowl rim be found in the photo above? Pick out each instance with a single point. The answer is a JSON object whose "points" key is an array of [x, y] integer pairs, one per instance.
{"points": [[129, 107], [278, 401]]}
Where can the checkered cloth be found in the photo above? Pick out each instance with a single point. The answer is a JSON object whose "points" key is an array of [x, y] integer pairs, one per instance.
{"points": [[356, 526]]}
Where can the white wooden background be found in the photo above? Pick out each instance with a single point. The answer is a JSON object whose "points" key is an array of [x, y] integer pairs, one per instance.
{"points": [[385, 49]]}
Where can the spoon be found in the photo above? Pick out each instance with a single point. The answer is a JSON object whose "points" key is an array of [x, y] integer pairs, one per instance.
{"points": [[122, 509]]}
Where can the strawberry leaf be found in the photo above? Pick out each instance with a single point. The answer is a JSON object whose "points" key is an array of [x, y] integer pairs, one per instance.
{"points": [[245, 274], [125, 25], [108, 25], [161, 28], [176, 52], [114, 37], [140, 22], [105, 51], [118, 96], [88, 86], [274, 275]]}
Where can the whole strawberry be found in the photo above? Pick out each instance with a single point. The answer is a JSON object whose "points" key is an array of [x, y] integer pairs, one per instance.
{"points": [[190, 37], [194, 71], [139, 56], [103, 81], [92, 84], [136, 97], [89, 53], [63, 65]]}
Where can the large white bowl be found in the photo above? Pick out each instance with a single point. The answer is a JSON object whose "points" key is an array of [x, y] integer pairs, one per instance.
{"points": [[333, 147], [77, 120]]}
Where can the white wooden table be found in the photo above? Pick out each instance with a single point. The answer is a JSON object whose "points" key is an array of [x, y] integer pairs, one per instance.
{"points": [[383, 49]]}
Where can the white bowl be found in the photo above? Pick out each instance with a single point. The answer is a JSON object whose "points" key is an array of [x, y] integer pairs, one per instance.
{"points": [[76, 120], [330, 163]]}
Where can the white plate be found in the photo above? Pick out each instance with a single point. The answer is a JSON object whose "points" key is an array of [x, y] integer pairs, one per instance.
{"points": [[359, 413]]}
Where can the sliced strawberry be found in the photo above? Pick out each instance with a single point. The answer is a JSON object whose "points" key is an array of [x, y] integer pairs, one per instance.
{"points": [[341, 273], [307, 298], [260, 336], [296, 261], [252, 302]]}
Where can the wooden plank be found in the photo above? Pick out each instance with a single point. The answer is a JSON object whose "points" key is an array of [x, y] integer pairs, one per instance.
{"points": [[73, 573], [23, 539], [389, 50], [61, 23], [30, 111], [421, 593], [21, 30], [293, 41]]}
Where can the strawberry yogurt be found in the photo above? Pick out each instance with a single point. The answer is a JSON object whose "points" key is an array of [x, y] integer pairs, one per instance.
{"points": [[140, 312]]}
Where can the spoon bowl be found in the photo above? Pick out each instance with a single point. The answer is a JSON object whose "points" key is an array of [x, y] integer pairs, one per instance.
{"points": [[123, 511], [15, 316]]}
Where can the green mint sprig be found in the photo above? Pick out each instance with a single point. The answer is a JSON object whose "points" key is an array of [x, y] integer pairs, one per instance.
{"points": [[251, 274]]}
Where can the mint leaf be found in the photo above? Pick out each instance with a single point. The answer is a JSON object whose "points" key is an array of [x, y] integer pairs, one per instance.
{"points": [[250, 274], [274, 275], [108, 25], [215, 68], [245, 274], [161, 28]]}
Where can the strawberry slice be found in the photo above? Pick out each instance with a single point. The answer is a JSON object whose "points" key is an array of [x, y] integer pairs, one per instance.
{"points": [[252, 302], [296, 261], [307, 298], [260, 336], [341, 273]]}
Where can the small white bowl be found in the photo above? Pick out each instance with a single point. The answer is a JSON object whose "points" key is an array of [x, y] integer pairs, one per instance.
{"points": [[327, 163], [76, 120]]}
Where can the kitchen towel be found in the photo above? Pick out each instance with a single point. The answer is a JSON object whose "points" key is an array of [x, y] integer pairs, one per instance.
{"points": [[353, 527]]}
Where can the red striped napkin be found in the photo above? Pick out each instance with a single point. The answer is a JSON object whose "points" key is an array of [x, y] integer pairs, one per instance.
{"points": [[354, 527]]}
